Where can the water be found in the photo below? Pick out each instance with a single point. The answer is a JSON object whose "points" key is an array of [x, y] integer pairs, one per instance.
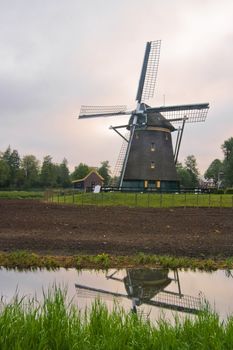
{"points": [[147, 291]]}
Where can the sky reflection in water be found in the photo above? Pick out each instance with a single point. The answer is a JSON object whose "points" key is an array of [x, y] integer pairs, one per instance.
{"points": [[141, 286]]}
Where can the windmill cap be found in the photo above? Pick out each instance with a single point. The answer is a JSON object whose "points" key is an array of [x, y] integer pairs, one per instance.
{"points": [[156, 119]]}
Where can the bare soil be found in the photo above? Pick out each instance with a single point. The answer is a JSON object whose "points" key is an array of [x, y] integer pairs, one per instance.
{"points": [[67, 230]]}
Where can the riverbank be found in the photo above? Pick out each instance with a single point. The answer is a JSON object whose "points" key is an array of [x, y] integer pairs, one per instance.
{"points": [[25, 260]]}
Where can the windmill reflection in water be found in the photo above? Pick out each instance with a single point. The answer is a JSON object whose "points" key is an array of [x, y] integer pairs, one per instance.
{"points": [[148, 287]]}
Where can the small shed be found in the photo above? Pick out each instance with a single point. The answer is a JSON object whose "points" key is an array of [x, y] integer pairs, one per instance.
{"points": [[89, 181]]}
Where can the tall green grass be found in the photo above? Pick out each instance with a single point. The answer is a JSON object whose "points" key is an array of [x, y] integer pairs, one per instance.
{"points": [[56, 324], [146, 200]]}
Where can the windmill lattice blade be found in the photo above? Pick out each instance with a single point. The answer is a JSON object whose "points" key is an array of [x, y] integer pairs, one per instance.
{"points": [[149, 71], [194, 112], [186, 303], [119, 162], [91, 292], [101, 111]]}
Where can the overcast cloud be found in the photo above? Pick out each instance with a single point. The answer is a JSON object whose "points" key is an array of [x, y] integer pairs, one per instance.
{"points": [[56, 55]]}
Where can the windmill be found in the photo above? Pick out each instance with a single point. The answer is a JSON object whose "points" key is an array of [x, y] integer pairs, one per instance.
{"points": [[148, 287], [147, 160]]}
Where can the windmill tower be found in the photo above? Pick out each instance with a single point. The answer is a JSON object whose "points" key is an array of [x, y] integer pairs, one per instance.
{"points": [[149, 161]]}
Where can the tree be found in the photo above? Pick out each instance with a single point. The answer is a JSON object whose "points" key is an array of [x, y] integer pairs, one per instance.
{"points": [[63, 174], [30, 167], [80, 171], [227, 148], [104, 171], [191, 166], [12, 158], [214, 170], [6, 155], [184, 176], [4, 173], [48, 175]]}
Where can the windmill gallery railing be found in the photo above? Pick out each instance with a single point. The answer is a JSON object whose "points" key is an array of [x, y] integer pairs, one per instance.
{"points": [[146, 200]]}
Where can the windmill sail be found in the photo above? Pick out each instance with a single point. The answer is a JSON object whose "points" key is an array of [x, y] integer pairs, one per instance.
{"points": [[119, 162], [193, 112], [149, 71], [102, 111]]}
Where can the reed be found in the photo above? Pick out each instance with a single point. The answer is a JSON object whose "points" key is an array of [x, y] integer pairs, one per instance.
{"points": [[55, 323]]}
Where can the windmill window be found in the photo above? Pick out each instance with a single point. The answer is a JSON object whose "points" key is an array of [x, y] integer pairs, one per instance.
{"points": [[152, 165], [152, 147]]}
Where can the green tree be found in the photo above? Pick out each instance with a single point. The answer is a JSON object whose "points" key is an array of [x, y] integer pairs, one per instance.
{"points": [[4, 173], [7, 154], [12, 158], [191, 166], [80, 171], [48, 175], [214, 170], [104, 171], [63, 174], [30, 167], [227, 148], [184, 176]]}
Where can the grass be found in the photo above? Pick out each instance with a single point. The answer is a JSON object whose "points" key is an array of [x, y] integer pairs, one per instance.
{"points": [[21, 194], [27, 260], [146, 200], [57, 324]]}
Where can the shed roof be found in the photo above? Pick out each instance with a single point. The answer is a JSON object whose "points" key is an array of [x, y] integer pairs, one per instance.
{"points": [[91, 172]]}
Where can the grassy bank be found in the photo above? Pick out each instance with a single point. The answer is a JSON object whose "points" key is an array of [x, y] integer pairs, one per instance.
{"points": [[21, 194], [53, 325], [146, 200], [26, 260]]}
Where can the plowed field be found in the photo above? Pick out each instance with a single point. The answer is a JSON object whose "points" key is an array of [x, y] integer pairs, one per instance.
{"points": [[63, 230]]}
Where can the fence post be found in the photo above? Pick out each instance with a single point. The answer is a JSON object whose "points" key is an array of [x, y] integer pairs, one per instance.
{"points": [[197, 200], [173, 200], [209, 200], [102, 198], [220, 199], [161, 200], [82, 198], [185, 200], [73, 196], [148, 200]]}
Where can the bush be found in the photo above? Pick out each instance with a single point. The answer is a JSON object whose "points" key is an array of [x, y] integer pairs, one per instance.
{"points": [[229, 191]]}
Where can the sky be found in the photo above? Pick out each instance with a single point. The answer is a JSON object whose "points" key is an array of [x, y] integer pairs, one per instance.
{"points": [[56, 55]]}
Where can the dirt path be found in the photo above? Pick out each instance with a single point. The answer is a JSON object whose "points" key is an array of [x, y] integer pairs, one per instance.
{"points": [[57, 229]]}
